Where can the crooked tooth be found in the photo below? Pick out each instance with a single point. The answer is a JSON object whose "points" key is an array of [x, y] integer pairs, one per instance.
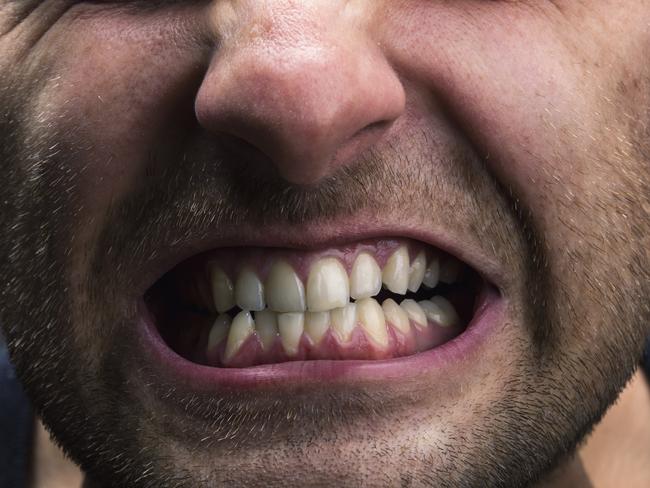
{"points": [[450, 270], [219, 330], [223, 292], [266, 325], [291, 326], [249, 291], [396, 315], [432, 274], [344, 320], [416, 272], [373, 321], [327, 286], [414, 312], [395, 275], [365, 279], [284, 289], [316, 325], [440, 311], [241, 328]]}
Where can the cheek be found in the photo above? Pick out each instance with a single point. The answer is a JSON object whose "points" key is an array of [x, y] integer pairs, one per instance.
{"points": [[119, 86], [518, 86]]}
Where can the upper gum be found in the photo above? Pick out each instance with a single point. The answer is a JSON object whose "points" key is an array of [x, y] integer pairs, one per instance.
{"points": [[260, 260]]}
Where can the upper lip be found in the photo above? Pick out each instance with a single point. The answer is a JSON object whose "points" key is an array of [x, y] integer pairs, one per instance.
{"points": [[318, 236]]}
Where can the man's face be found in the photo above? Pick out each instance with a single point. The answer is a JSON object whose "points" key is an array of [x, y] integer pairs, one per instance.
{"points": [[149, 149]]}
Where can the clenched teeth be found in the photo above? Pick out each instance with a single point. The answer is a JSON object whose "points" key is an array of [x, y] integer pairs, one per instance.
{"points": [[341, 301]]}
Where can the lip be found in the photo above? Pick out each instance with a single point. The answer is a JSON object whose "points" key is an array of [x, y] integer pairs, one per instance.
{"points": [[315, 236], [300, 374]]}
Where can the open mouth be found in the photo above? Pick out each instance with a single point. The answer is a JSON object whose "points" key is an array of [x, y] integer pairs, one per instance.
{"points": [[368, 300]]}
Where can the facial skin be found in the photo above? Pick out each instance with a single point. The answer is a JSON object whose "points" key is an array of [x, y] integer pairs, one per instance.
{"points": [[513, 130]]}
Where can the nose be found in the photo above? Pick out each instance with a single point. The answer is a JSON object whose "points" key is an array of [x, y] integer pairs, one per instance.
{"points": [[301, 81]]}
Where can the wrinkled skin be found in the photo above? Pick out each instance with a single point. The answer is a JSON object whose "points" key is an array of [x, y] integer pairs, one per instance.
{"points": [[517, 128]]}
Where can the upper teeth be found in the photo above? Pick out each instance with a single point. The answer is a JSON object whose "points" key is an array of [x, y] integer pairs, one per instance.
{"points": [[328, 286]]}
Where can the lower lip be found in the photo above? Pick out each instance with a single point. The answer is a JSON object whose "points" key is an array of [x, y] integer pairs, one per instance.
{"points": [[298, 374]]}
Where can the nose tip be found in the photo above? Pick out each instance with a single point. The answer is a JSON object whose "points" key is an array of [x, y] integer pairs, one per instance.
{"points": [[310, 107]]}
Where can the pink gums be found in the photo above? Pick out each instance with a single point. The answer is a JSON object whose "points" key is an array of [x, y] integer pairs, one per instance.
{"points": [[358, 347]]}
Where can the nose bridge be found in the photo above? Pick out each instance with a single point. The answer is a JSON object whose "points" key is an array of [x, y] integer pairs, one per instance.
{"points": [[300, 81]]}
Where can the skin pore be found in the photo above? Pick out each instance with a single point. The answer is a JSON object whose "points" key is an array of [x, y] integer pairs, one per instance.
{"points": [[138, 134]]}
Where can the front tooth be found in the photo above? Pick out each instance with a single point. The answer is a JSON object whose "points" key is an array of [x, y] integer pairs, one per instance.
{"points": [[222, 290], [396, 315], [327, 286], [365, 279], [396, 272], [316, 325], [291, 326], [240, 330], [440, 311], [416, 273], [373, 321], [432, 274], [219, 330], [450, 270], [284, 289], [266, 325], [414, 312], [249, 291], [344, 320]]}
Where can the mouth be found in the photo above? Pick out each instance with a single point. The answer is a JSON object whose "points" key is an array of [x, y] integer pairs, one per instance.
{"points": [[377, 300]]}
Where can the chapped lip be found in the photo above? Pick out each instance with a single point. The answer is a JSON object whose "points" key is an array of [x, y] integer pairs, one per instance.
{"points": [[288, 375]]}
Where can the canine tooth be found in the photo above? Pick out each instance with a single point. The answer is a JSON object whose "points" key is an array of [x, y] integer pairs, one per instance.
{"points": [[241, 328], [365, 279], [316, 325], [249, 291], [396, 272], [344, 320], [327, 286], [414, 312], [222, 290], [416, 272], [291, 326], [440, 311], [396, 315], [219, 330], [450, 270], [432, 274], [284, 289], [373, 321], [266, 325]]}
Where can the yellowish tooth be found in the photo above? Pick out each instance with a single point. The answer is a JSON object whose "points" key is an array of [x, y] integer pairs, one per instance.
{"points": [[344, 320], [284, 289], [222, 290], [450, 270], [266, 325], [396, 315], [416, 272], [316, 326], [432, 274], [219, 330], [241, 328], [373, 321], [291, 326], [414, 312], [249, 291], [327, 286], [365, 279], [395, 275], [441, 311]]}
